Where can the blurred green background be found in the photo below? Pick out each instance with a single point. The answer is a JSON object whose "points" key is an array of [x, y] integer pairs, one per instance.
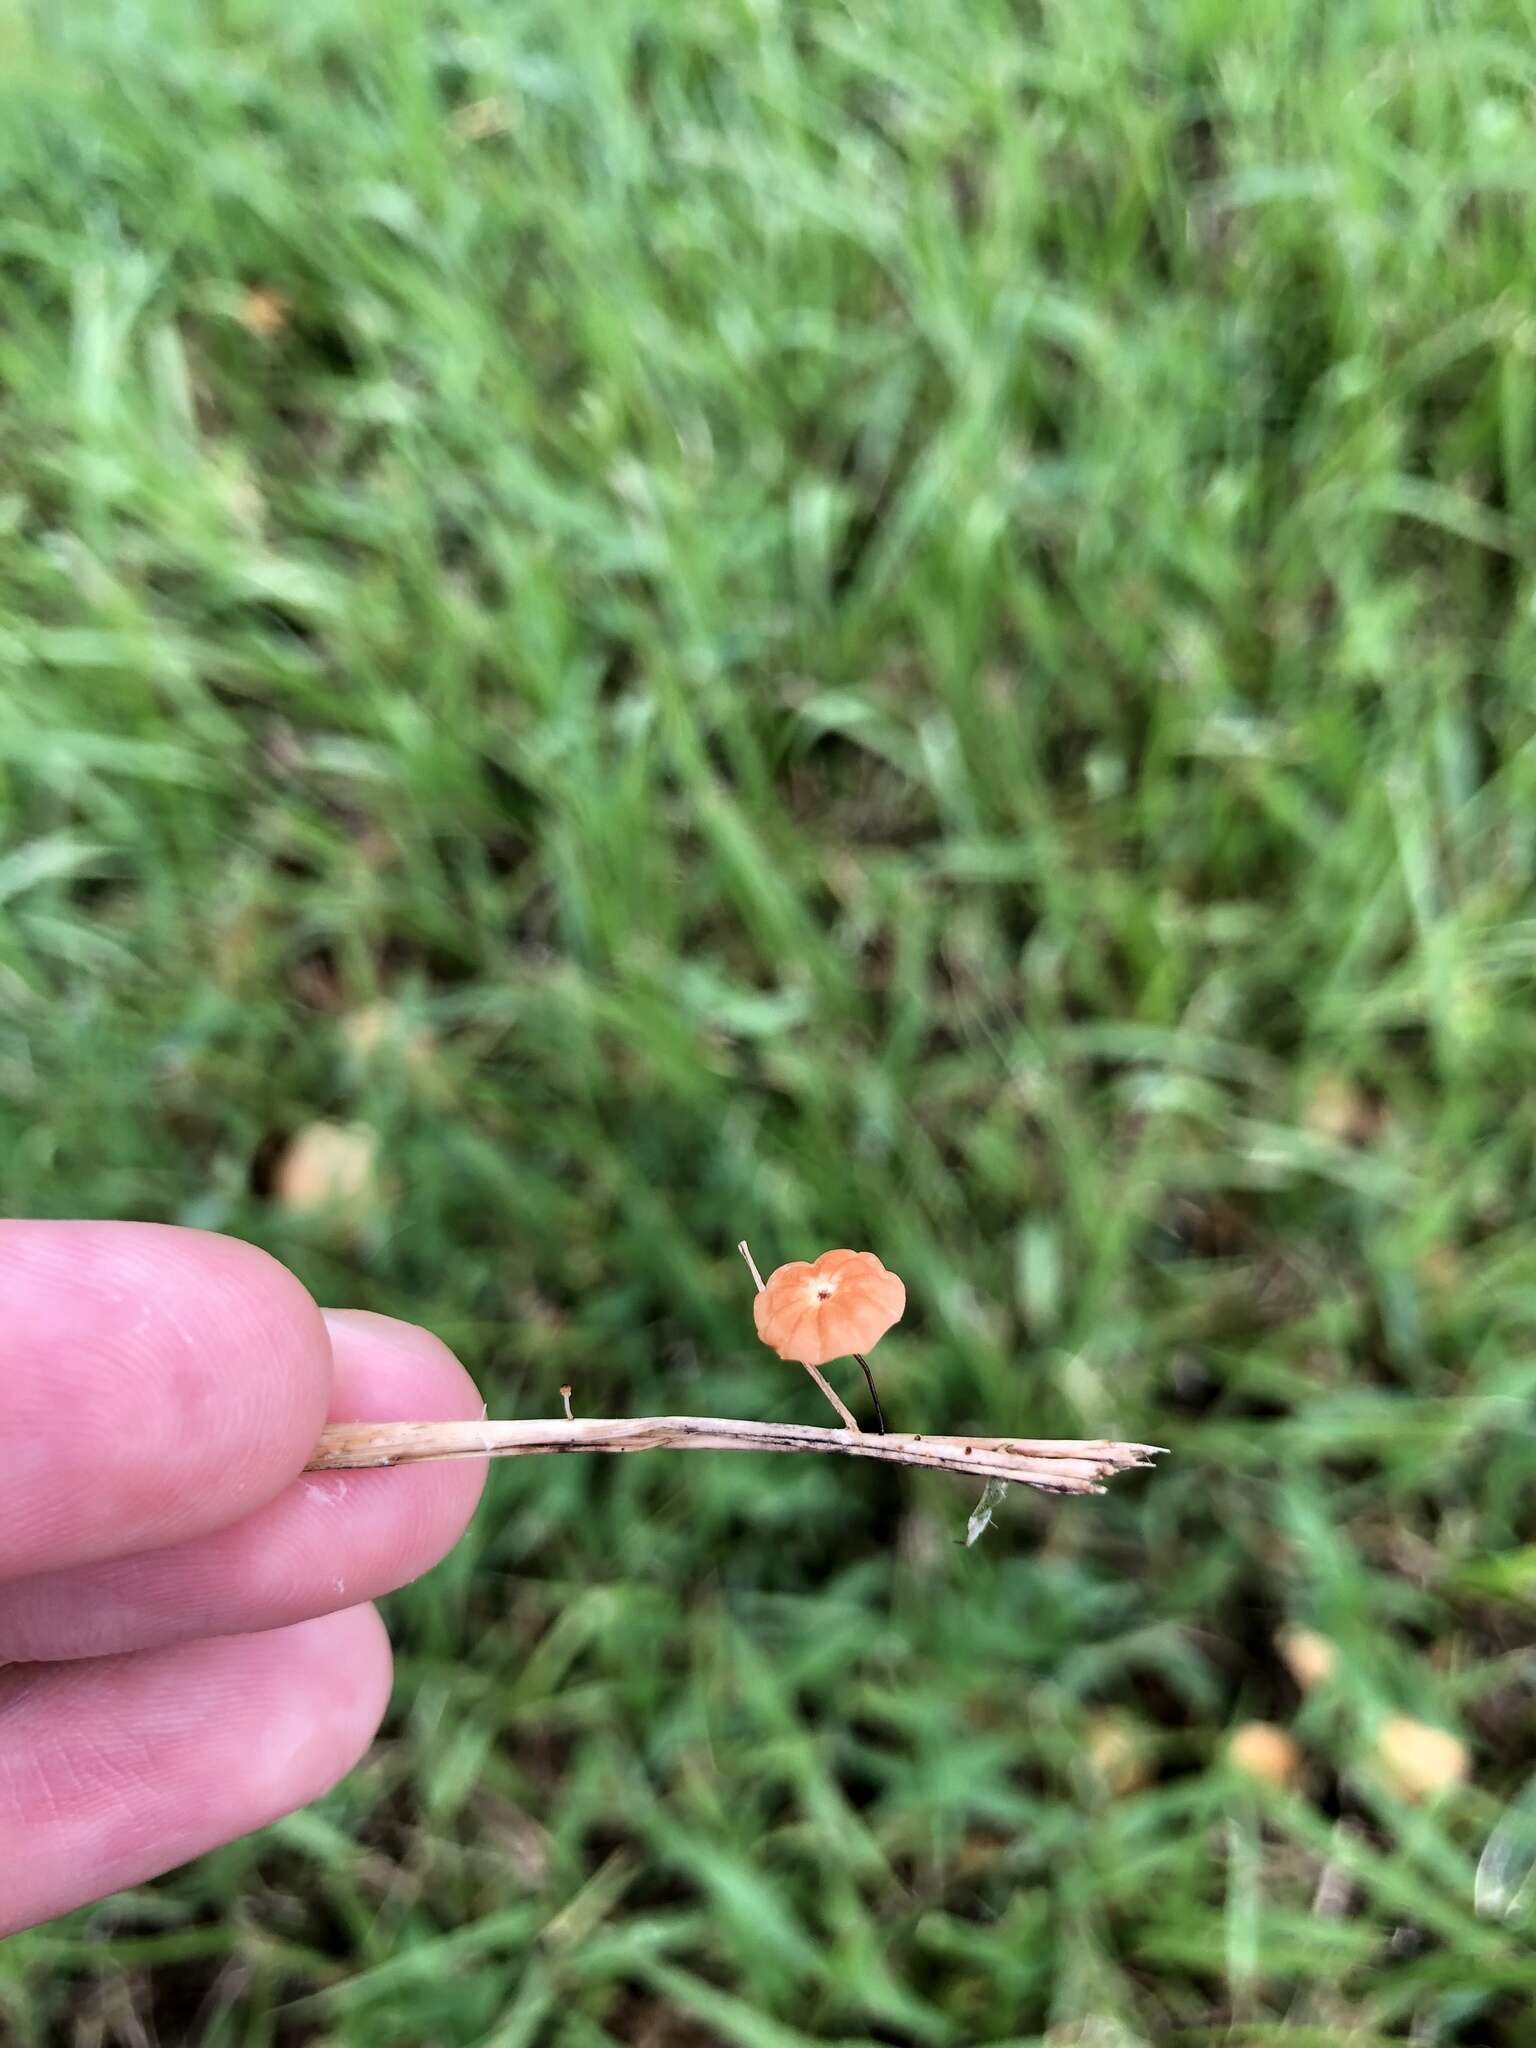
{"points": [[908, 625]]}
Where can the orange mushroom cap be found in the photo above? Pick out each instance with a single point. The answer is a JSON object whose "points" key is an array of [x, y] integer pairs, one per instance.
{"points": [[843, 1303]]}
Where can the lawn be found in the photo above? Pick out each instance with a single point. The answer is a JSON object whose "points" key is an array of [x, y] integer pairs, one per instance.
{"points": [[906, 625]]}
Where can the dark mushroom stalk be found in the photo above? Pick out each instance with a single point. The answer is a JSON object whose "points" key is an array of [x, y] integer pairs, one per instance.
{"points": [[869, 1381]]}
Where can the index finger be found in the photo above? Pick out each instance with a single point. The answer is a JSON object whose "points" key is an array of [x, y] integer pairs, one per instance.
{"points": [[154, 1383]]}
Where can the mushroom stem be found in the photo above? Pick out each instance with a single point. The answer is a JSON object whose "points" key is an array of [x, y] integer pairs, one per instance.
{"points": [[831, 1394], [843, 1414], [869, 1381]]}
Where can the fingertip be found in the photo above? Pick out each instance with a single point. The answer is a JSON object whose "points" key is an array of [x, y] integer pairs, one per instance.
{"points": [[160, 1382], [400, 1350], [386, 1370], [321, 1545], [283, 1378], [354, 1669], [329, 1680], [118, 1768]]}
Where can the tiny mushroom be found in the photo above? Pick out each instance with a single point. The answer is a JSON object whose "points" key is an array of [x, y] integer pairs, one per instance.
{"points": [[837, 1306]]}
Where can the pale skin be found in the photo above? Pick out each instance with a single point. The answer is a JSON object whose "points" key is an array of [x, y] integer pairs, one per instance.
{"points": [[187, 1644]]}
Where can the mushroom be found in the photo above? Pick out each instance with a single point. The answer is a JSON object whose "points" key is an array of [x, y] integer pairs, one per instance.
{"points": [[837, 1306]]}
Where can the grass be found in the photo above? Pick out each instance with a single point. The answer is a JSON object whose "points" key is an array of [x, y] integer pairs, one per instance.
{"points": [[906, 625]]}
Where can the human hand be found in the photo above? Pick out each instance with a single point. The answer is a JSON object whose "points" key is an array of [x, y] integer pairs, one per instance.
{"points": [[188, 1651]]}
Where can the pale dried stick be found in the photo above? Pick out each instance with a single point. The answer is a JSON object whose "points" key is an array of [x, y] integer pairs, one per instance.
{"points": [[825, 1386], [1054, 1466]]}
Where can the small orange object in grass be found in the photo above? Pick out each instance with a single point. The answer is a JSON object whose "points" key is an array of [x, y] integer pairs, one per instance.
{"points": [[837, 1306]]}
